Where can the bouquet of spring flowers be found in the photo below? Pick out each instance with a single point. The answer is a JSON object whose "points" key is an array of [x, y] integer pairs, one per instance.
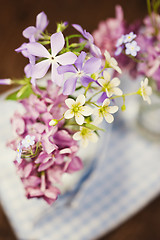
{"points": [[62, 115]]}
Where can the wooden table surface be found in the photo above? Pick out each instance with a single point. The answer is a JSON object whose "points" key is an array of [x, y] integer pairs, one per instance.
{"points": [[16, 16]]}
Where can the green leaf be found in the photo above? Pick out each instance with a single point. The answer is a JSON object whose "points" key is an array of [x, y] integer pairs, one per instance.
{"points": [[92, 127], [23, 92]]}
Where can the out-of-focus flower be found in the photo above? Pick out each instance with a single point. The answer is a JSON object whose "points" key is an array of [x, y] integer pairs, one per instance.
{"points": [[35, 33], [145, 91], [129, 37], [77, 110], [28, 141], [19, 153], [85, 135], [105, 111], [132, 48]]}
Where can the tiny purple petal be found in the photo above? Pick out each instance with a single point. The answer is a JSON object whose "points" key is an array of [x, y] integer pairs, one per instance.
{"points": [[78, 28], [102, 97]]}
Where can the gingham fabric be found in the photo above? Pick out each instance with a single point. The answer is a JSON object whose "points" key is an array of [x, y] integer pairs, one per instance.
{"points": [[125, 179]]}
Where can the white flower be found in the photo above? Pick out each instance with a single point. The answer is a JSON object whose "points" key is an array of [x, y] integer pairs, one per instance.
{"points": [[129, 37], [110, 86], [145, 90], [28, 141], [53, 122], [105, 111], [111, 62], [19, 153], [77, 110], [85, 135]]}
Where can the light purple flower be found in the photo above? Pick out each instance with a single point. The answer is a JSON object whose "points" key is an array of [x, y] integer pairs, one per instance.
{"points": [[28, 141], [81, 72], [96, 52], [6, 81], [41, 68], [35, 33], [132, 48]]}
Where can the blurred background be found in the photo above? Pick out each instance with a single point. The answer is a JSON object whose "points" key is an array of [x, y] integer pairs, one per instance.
{"points": [[15, 16]]}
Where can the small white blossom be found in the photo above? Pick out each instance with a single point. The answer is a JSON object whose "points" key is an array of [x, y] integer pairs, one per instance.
{"points": [[120, 41], [105, 111], [19, 153], [28, 141], [129, 37], [77, 110], [132, 48], [111, 62], [85, 135], [53, 122], [145, 90], [110, 86]]}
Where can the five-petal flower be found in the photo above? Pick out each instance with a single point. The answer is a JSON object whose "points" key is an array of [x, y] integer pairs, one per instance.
{"points": [[77, 110], [111, 62], [110, 86], [104, 111], [132, 48], [85, 135], [51, 59]]}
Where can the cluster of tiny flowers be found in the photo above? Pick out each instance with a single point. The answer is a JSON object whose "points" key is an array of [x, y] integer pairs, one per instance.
{"points": [[80, 93], [128, 44]]}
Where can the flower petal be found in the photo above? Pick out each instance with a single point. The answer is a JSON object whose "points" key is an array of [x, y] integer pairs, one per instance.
{"points": [[68, 114], [57, 78], [77, 136], [79, 62], [70, 85], [29, 31], [106, 76], [57, 43], [86, 111], [41, 21], [85, 80], [112, 109], [115, 82], [92, 65], [37, 49], [79, 118], [108, 117], [81, 99], [66, 68], [78, 28], [66, 58], [117, 91], [106, 102], [40, 69], [69, 102]]}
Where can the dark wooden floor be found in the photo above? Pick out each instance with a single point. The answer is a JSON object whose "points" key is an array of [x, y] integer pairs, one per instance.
{"points": [[17, 15]]}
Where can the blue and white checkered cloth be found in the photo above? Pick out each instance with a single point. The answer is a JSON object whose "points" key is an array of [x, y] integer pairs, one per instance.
{"points": [[126, 178]]}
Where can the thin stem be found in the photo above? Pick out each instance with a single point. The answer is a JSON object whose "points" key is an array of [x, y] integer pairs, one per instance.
{"points": [[124, 95]]}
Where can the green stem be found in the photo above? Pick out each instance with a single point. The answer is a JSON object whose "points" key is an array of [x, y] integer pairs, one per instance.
{"points": [[125, 95]]}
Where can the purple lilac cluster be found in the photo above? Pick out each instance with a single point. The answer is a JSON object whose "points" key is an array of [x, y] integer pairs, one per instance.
{"points": [[44, 152]]}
